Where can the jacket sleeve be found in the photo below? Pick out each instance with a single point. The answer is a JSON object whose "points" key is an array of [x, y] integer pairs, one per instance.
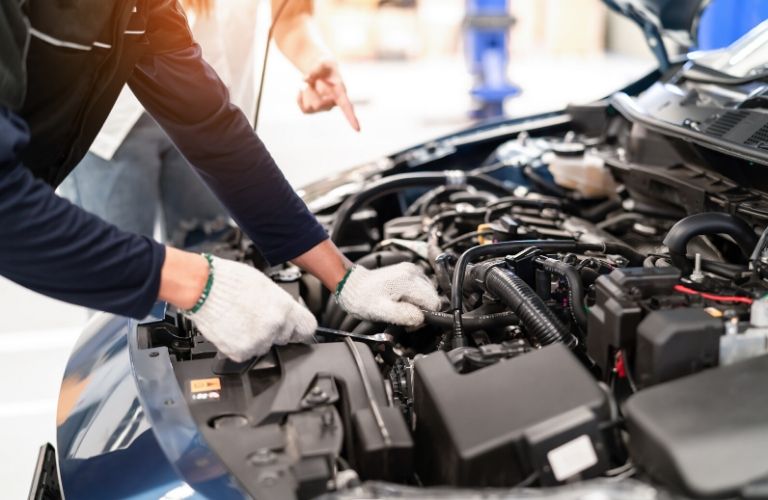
{"points": [[55, 248], [186, 97]]}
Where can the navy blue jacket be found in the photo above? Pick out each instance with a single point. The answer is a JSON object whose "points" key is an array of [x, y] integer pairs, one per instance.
{"points": [[74, 76]]}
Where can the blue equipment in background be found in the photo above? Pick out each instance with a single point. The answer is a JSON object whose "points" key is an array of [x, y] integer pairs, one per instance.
{"points": [[725, 21], [486, 30]]}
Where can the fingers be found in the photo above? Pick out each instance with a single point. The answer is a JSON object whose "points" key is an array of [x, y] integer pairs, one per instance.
{"points": [[422, 294], [323, 70], [339, 94], [305, 325], [311, 102], [400, 313]]}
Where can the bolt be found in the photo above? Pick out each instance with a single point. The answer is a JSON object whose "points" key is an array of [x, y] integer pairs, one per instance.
{"points": [[697, 276], [317, 395], [169, 402]]}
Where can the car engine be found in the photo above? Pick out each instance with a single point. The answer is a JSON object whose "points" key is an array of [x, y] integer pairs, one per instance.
{"points": [[604, 321]]}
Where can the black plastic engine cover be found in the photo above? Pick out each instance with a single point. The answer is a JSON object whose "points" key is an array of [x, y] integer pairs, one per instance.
{"points": [[498, 425], [613, 320], [675, 343], [280, 425], [706, 434]]}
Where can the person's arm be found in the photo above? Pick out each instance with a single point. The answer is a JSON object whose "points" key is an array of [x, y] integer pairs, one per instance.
{"points": [[55, 248], [298, 38], [326, 263], [185, 96]]}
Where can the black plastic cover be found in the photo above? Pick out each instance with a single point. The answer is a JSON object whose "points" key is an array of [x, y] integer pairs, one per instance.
{"points": [[484, 428], [613, 320], [705, 434], [280, 424], [675, 343]]}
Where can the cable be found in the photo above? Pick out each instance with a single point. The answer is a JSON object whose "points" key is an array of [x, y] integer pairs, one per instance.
{"points": [[511, 247], [466, 237], [541, 324], [400, 182], [712, 296], [575, 287], [270, 34]]}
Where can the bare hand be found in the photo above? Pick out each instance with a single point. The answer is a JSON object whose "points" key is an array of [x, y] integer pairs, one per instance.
{"points": [[325, 89]]}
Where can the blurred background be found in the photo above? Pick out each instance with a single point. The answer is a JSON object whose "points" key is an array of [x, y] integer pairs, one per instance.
{"points": [[407, 69]]}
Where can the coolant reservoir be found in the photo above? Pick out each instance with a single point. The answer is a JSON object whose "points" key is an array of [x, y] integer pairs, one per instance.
{"points": [[574, 167]]}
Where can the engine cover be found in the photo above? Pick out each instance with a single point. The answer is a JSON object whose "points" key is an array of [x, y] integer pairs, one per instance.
{"points": [[282, 423], [501, 424], [705, 434]]}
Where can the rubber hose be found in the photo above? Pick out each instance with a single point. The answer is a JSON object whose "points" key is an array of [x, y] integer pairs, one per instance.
{"points": [[437, 193], [705, 224], [383, 258], [395, 183], [471, 323], [575, 287], [427, 198], [443, 271], [510, 247], [540, 322]]}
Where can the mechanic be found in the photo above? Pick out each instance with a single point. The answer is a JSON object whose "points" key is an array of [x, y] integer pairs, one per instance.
{"points": [[62, 66], [133, 151]]}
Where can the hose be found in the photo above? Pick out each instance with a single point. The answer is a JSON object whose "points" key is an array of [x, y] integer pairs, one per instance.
{"points": [[443, 270], [540, 322], [516, 201], [395, 183], [423, 202], [575, 287], [509, 247], [471, 323], [705, 224]]}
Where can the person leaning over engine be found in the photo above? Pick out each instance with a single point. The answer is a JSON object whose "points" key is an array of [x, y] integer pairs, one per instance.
{"points": [[134, 153], [62, 66]]}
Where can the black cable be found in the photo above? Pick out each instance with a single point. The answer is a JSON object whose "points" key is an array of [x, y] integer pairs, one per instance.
{"points": [[270, 34], [422, 203], [541, 324], [512, 201], [509, 247], [399, 182], [466, 237], [575, 287], [482, 322]]}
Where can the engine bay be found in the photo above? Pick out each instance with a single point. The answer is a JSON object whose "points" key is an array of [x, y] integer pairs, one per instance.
{"points": [[604, 322]]}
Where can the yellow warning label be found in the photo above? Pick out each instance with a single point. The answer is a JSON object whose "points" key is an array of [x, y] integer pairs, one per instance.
{"points": [[205, 384]]}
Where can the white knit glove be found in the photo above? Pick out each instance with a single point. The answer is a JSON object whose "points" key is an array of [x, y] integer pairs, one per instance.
{"points": [[245, 313], [392, 294]]}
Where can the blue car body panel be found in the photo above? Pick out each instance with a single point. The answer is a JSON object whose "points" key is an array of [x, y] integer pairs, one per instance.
{"points": [[123, 425]]}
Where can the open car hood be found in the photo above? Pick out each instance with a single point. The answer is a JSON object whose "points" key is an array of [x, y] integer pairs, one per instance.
{"points": [[674, 19]]}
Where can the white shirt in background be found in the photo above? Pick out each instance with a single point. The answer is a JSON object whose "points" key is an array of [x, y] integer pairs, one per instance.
{"points": [[230, 44]]}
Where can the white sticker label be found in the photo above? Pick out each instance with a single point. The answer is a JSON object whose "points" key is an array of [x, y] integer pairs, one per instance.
{"points": [[571, 458]]}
